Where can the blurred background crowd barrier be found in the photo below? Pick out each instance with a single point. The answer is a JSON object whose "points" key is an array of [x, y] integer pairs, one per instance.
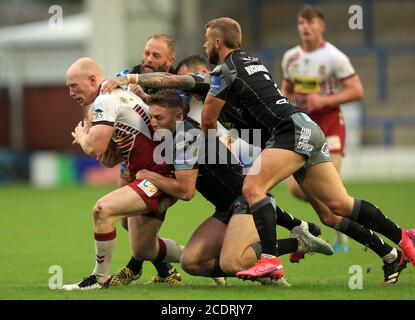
{"points": [[38, 42]]}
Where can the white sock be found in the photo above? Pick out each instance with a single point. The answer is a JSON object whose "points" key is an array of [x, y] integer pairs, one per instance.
{"points": [[391, 256], [104, 247], [174, 250], [304, 225]]}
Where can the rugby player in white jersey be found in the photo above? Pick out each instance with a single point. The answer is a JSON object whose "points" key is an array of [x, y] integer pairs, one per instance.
{"points": [[121, 117], [318, 77]]}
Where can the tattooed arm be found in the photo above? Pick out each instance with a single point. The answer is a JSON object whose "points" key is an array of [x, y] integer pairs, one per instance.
{"points": [[164, 80], [152, 80]]}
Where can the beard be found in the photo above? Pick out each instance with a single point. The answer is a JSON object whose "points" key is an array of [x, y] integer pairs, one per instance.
{"points": [[213, 56], [149, 67]]}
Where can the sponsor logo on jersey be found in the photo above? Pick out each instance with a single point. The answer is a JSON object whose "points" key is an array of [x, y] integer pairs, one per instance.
{"points": [[148, 188], [304, 139], [249, 59], [255, 68], [306, 84], [215, 84], [98, 114]]}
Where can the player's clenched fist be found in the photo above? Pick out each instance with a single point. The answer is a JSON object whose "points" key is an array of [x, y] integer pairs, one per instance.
{"points": [[80, 131]]}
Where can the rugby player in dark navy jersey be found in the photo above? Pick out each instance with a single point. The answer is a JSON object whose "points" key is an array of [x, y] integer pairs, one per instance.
{"points": [[210, 168], [295, 146]]}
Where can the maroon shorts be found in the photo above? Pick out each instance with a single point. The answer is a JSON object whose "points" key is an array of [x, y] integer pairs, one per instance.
{"points": [[157, 200], [332, 124]]}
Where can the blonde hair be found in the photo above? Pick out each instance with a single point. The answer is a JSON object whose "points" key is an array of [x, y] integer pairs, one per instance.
{"points": [[171, 44], [229, 29]]}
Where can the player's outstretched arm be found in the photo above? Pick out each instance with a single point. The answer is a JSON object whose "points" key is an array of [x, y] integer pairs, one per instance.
{"points": [[153, 80]]}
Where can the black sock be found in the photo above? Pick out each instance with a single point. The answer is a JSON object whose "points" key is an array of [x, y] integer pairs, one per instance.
{"points": [[285, 246], [372, 218], [286, 220], [162, 268], [135, 265], [364, 236], [257, 249], [266, 222]]}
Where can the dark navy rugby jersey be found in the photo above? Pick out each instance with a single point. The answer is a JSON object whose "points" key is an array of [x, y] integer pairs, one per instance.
{"points": [[243, 81], [220, 176], [230, 116]]}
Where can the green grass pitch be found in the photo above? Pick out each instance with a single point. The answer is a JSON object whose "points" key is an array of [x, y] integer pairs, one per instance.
{"points": [[45, 227]]}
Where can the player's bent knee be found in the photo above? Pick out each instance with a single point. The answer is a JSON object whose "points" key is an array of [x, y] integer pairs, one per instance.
{"points": [[189, 264], [328, 219], [250, 191], [101, 210], [296, 192], [189, 267], [338, 207], [97, 209]]}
